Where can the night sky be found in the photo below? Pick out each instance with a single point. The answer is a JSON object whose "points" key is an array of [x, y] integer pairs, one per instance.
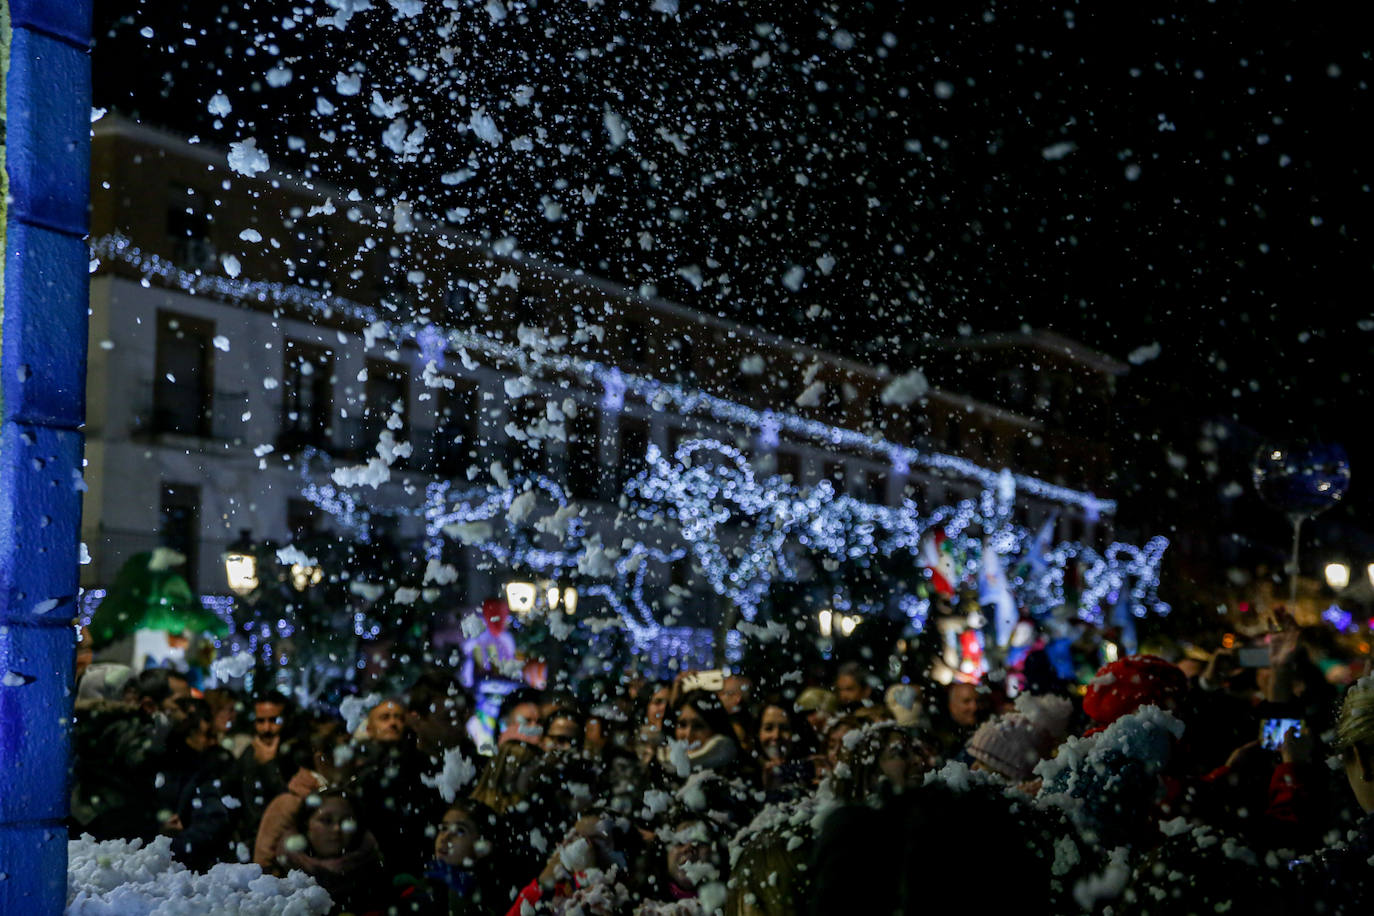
{"points": [[1182, 174]]}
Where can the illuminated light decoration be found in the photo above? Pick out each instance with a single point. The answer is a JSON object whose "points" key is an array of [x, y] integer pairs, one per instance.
{"points": [[613, 391], [431, 342], [1337, 575], [708, 498], [768, 431], [613, 382], [1340, 618], [834, 524], [520, 596]]}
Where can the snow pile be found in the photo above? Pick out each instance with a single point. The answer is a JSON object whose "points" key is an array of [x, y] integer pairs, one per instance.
{"points": [[1098, 781], [126, 878]]}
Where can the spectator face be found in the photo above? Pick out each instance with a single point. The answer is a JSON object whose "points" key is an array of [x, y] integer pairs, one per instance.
{"points": [[963, 705], [441, 726], [897, 761], [386, 722], [224, 719], [834, 743], [774, 732], [201, 737], [848, 689], [734, 692], [689, 848], [658, 706], [331, 828], [456, 843], [267, 719], [692, 728], [563, 734], [524, 719], [181, 689]]}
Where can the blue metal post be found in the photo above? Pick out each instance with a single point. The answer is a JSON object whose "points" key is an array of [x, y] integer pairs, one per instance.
{"points": [[46, 148]]}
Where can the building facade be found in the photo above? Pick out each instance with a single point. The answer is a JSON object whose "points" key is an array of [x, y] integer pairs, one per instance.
{"points": [[238, 358]]}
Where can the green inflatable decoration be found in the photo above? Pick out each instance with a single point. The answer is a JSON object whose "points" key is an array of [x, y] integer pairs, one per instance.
{"points": [[149, 595]]}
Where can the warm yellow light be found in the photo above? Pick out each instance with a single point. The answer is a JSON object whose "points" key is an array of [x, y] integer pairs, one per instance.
{"points": [[826, 619], [521, 596], [569, 600], [847, 624], [1337, 575], [241, 570], [303, 576], [1369, 571]]}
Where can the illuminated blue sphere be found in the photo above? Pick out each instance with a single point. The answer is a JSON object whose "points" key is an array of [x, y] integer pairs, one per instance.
{"points": [[1301, 480]]}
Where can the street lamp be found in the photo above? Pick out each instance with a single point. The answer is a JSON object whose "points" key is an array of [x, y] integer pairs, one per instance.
{"points": [[1337, 575], [521, 596], [241, 565], [826, 619], [556, 594]]}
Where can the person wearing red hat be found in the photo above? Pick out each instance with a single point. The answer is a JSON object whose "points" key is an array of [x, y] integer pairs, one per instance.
{"points": [[1130, 683]]}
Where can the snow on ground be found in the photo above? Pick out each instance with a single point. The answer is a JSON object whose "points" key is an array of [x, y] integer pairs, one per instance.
{"points": [[127, 878]]}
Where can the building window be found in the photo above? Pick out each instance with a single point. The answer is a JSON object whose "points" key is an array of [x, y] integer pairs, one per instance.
{"points": [[584, 454], [188, 227], [834, 471], [178, 525], [454, 435], [307, 397], [789, 466], [183, 386], [302, 519], [387, 392], [875, 487], [634, 445], [310, 246]]}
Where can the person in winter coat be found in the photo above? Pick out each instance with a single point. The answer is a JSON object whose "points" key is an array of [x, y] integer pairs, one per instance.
{"points": [[324, 772], [785, 745], [599, 849], [329, 844], [1341, 876], [119, 728], [189, 784], [701, 723], [456, 881], [886, 760]]}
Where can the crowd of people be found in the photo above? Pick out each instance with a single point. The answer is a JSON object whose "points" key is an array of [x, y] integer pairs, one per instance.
{"points": [[1159, 786]]}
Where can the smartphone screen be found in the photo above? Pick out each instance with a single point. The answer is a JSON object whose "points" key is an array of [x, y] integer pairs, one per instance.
{"points": [[1273, 731], [712, 681]]}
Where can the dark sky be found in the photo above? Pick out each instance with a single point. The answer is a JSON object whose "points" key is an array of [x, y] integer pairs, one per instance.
{"points": [[1183, 174]]}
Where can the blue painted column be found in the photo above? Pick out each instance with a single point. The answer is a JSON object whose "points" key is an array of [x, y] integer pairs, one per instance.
{"points": [[47, 103]]}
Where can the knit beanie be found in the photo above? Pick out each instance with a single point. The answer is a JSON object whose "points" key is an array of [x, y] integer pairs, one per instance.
{"points": [[1011, 745], [1130, 683]]}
